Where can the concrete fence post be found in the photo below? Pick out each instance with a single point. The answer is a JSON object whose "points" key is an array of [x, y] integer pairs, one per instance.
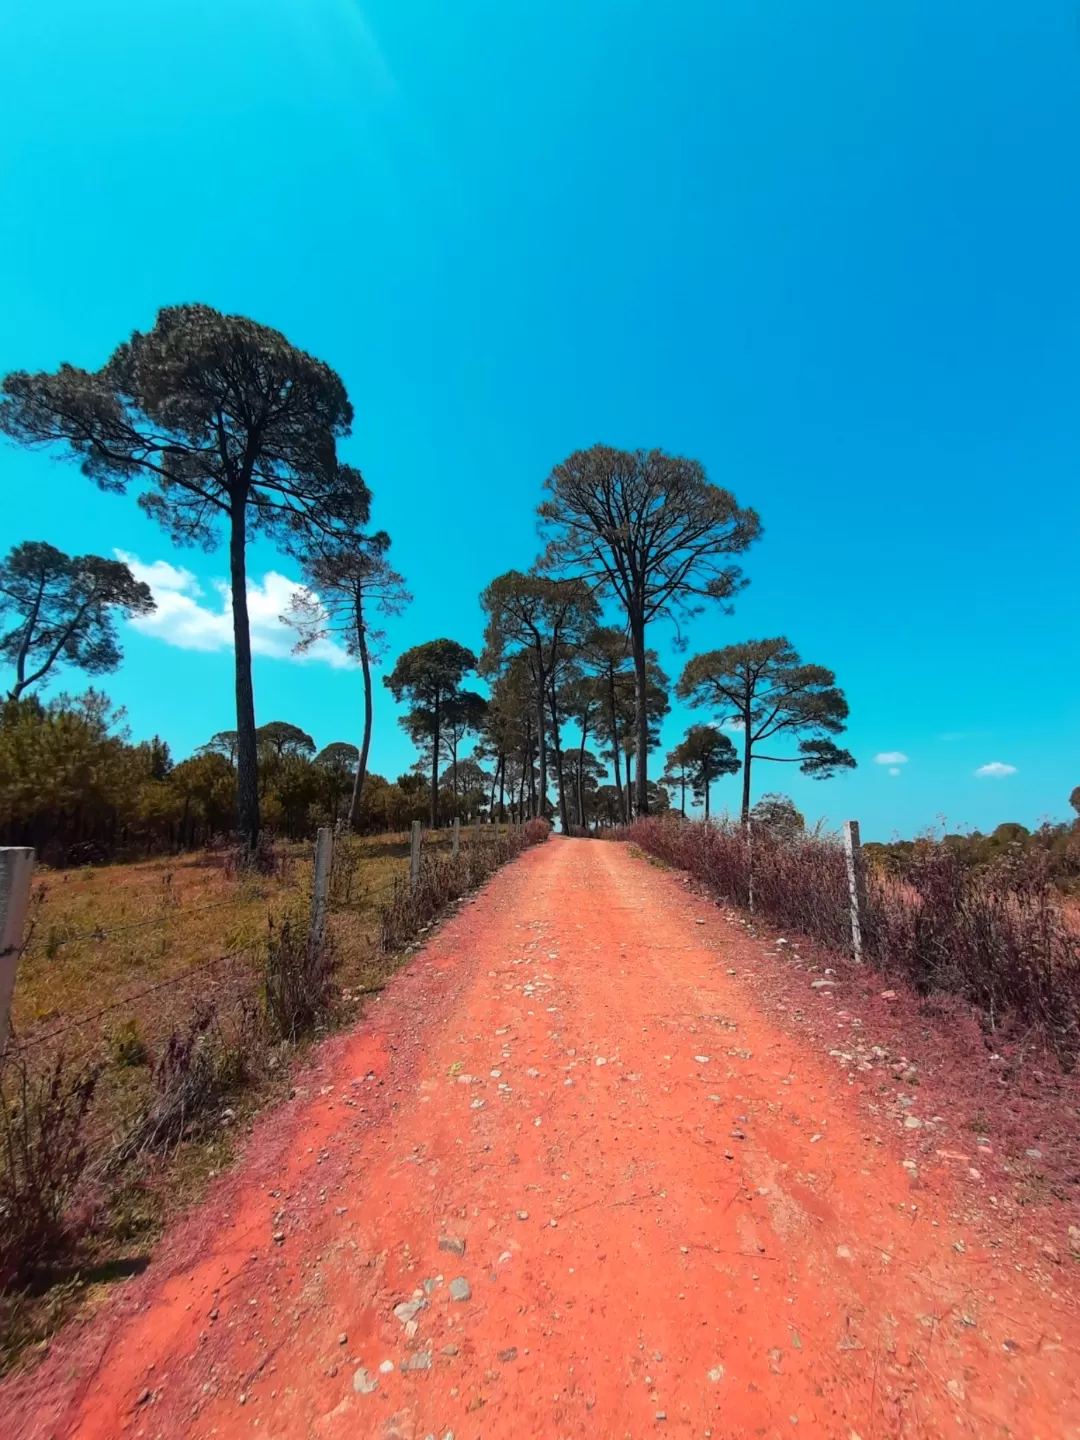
{"points": [[16, 873], [414, 856], [852, 854]]}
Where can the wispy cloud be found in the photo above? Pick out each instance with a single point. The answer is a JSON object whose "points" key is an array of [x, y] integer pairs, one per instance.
{"points": [[188, 619], [995, 771], [894, 769], [893, 758]]}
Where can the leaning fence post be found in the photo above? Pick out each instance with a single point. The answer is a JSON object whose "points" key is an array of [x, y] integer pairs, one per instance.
{"points": [[414, 855], [457, 835], [324, 855], [16, 873], [852, 849]]}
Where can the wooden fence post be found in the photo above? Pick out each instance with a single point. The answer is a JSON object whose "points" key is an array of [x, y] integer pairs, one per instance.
{"points": [[324, 856], [16, 873], [457, 835], [476, 829], [414, 856], [852, 849]]}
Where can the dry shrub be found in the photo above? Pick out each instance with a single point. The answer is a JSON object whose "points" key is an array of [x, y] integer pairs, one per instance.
{"points": [[194, 1072], [443, 880], [42, 1157], [299, 979], [997, 936]]}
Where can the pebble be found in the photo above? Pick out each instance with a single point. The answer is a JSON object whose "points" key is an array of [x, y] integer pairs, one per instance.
{"points": [[477, 1105], [821, 984], [912, 1122], [420, 1361], [450, 1350], [363, 1383], [1034, 1154], [460, 1289], [843, 1252], [452, 1243], [716, 1374], [599, 1060], [507, 1355], [523, 1214], [409, 1309], [387, 1367], [702, 1059], [343, 1339]]}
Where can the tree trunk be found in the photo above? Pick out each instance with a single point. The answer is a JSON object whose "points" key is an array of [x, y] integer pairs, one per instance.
{"points": [[682, 788], [434, 799], [541, 736], [615, 747], [556, 740], [247, 759], [629, 788], [747, 756], [361, 766], [581, 770], [706, 788], [502, 786], [641, 715]]}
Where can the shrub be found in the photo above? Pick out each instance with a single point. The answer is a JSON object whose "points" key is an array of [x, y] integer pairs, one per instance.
{"points": [[997, 935], [299, 981], [42, 1155], [442, 880]]}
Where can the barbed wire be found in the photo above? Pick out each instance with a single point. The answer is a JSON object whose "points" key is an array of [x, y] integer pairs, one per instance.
{"points": [[100, 934], [83, 1020]]}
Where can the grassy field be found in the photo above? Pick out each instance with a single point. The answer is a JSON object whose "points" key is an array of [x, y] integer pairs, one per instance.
{"points": [[129, 972]]}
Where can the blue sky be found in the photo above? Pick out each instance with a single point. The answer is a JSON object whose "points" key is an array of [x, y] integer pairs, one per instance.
{"points": [[830, 251]]}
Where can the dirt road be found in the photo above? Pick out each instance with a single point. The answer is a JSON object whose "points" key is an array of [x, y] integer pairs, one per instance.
{"points": [[566, 1180]]}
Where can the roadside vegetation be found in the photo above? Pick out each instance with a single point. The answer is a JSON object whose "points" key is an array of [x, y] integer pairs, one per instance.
{"points": [[997, 934], [170, 978]]}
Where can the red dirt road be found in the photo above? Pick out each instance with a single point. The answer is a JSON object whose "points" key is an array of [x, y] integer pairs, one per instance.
{"points": [[673, 1217]]}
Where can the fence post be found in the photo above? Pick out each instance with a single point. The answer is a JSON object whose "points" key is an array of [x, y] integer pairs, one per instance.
{"points": [[16, 873], [852, 849], [457, 835], [414, 855], [476, 829], [324, 855]]}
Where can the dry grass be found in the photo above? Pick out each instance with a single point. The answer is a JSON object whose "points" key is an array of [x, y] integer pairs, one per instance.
{"points": [[154, 973]]}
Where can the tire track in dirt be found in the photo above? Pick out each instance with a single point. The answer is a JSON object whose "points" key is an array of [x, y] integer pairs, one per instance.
{"points": [[666, 1213]]}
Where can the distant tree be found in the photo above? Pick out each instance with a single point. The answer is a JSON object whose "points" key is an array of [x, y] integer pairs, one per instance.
{"points": [[606, 660], [429, 676], [224, 422], [545, 620], [778, 815], [1074, 799], [464, 714], [336, 765], [62, 610], [650, 529], [223, 743], [766, 689], [278, 738], [346, 579], [705, 754], [677, 776]]}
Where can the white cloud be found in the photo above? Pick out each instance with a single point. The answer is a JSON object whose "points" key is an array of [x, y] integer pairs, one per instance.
{"points": [[181, 619], [995, 771], [891, 757]]}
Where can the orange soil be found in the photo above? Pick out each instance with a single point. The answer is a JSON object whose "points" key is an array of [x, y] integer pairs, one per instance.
{"points": [[674, 1219]]}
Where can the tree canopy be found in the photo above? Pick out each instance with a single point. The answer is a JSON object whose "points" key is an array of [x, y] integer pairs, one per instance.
{"points": [[62, 610], [429, 677], [763, 687], [650, 529], [221, 420]]}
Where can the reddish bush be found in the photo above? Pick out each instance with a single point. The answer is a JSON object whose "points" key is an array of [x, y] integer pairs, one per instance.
{"points": [[998, 936]]}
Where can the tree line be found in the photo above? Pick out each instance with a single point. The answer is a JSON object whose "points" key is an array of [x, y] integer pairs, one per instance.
{"points": [[227, 431]]}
